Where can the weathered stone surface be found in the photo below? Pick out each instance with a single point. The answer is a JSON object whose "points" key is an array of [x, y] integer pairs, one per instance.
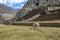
{"points": [[35, 4]]}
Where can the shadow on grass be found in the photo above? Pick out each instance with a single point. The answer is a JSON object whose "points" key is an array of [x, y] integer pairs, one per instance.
{"points": [[41, 24]]}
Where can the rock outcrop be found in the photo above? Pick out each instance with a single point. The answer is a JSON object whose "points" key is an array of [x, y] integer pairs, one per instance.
{"points": [[35, 4]]}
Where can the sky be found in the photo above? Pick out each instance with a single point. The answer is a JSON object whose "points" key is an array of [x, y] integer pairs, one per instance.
{"points": [[14, 3]]}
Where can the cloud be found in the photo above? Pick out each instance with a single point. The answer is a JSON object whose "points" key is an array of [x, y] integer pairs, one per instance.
{"points": [[11, 3], [17, 1], [1, 1]]}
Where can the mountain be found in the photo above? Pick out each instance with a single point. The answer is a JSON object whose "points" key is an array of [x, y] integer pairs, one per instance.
{"points": [[32, 5], [7, 12], [6, 9]]}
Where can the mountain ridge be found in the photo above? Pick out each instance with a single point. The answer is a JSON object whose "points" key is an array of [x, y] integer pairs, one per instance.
{"points": [[6, 9]]}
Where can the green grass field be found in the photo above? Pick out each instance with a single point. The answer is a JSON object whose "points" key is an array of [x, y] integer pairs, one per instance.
{"points": [[10, 32]]}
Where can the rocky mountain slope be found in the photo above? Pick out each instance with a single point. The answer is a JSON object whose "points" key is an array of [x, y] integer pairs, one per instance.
{"points": [[6, 9], [6, 12], [35, 4]]}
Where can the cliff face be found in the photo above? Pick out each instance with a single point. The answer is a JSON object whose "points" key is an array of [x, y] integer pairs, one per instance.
{"points": [[30, 5], [34, 4]]}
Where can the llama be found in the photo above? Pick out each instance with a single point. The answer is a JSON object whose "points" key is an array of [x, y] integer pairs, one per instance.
{"points": [[35, 25]]}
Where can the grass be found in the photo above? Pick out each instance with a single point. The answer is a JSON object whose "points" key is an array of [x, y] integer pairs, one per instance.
{"points": [[10, 32]]}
